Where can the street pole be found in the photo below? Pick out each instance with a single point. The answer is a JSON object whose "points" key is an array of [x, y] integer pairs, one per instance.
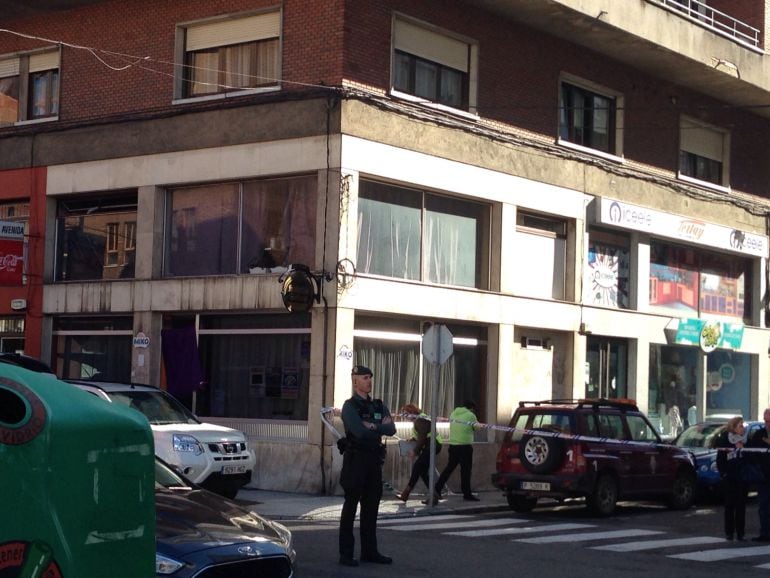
{"points": [[433, 412]]}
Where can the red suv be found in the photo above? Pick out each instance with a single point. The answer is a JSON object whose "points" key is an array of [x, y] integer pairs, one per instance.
{"points": [[602, 450]]}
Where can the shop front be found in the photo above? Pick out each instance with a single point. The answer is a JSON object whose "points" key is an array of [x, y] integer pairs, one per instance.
{"points": [[696, 290]]}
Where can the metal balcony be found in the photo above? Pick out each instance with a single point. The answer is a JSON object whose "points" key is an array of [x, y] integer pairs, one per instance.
{"points": [[719, 22]]}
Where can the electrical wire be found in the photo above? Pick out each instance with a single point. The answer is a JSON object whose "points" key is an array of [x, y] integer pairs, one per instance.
{"points": [[135, 61]]}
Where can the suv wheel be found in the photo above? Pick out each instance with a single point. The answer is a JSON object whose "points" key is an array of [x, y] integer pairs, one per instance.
{"points": [[605, 496], [682, 491], [521, 504], [541, 454]]}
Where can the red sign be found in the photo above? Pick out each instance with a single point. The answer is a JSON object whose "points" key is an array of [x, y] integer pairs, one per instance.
{"points": [[11, 261]]}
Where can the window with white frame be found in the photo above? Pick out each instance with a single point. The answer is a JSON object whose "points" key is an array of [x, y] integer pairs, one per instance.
{"points": [[589, 117], [540, 256], [29, 87], [703, 152], [231, 55], [434, 66], [411, 234]]}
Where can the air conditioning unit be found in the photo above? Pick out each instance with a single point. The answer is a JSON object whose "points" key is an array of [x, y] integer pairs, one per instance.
{"points": [[535, 343]]}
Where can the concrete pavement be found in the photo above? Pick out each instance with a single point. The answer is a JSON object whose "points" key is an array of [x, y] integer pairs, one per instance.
{"points": [[291, 506]]}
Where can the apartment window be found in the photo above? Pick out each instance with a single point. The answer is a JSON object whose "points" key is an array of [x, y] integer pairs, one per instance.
{"points": [[411, 234], [588, 118], [129, 242], [232, 55], [89, 243], [29, 87], [433, 66], [258, 226], [540, 258], [703, 152], [111, 257]]}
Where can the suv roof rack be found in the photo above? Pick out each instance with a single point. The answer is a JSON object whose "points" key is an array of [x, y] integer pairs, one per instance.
{"points": [[619, 403]]}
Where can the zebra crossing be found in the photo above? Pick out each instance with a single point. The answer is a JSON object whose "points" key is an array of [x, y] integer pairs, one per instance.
{"points": [[531, 531]]}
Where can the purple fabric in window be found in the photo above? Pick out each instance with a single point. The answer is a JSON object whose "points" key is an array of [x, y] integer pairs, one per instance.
{"points": [[180, 356]]}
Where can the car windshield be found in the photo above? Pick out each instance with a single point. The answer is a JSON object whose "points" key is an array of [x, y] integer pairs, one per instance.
{"points": [[699, 436], [165, 477], [158, 408]]}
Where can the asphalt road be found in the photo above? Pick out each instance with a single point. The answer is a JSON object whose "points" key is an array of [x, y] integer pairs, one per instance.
{"points": [[639, 540]]}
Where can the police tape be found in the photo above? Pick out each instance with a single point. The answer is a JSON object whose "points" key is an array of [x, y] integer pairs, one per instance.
{"points": [[544, 433]]}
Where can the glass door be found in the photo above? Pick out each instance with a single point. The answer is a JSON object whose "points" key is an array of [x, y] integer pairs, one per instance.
{"points": [[606, 368]]}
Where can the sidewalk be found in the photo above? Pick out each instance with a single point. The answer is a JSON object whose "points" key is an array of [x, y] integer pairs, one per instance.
{"points": [[290, 506]]}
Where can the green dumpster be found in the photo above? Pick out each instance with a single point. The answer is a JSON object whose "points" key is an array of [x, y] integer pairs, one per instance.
{"points": [[76, 482]]}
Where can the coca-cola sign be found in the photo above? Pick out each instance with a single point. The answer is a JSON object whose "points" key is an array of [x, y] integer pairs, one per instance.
{"points": [[11, 261]]}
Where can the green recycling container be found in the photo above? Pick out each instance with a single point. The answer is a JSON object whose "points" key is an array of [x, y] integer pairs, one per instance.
{"points": [[77, 482]]}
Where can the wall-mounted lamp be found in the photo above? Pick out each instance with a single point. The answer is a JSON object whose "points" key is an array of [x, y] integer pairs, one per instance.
{"points": [[300, 287]]}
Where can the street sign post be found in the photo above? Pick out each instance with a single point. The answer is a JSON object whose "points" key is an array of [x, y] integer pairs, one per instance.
{"points": [[437, 348]]}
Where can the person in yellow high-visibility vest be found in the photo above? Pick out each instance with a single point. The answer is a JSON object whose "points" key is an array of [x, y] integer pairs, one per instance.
{"points": [[460, 449]]}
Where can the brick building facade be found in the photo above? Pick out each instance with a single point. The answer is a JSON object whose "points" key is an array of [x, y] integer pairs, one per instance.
{"points": [[574, 191]]}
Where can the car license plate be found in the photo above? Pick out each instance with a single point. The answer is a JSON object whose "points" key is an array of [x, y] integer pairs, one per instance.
{"points": [[539, 486], [233, 470]]}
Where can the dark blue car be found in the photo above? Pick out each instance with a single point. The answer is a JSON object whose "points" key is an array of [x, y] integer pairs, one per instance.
{"points": [[700, 439]]}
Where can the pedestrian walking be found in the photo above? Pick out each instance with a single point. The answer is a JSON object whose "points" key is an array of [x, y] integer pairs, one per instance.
{"points": [[760, 440], [420, 453], [730, 464], [366, 420], [460, 448]]}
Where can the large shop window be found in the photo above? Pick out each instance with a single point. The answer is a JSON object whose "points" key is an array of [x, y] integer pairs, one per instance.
{"points": [[540, 257], [96, 237], [256, 366], [433, 66], [607, 279], [257, 226], [588, 118], [704, 152], [411, 234], [29, 87], [675, 396], [685, 281], [93, 348], [391, 348], [231, 55]]}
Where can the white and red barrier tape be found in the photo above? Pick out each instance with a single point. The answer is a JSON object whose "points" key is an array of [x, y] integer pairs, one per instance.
{"points": [[485, 426]]}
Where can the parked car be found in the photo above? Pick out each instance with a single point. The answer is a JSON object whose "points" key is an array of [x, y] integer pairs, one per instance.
{"points": [[213, 456], [601, 450], [700, 439], [199, 533]]}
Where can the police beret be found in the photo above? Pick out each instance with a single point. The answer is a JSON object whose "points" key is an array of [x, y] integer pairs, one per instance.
{"points": [[361, 370]]}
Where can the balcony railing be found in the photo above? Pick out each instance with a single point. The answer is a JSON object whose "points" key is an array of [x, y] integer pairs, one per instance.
{"points": [[717, 21]]}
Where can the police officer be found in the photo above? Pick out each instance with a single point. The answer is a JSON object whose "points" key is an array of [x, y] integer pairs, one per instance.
{"points": [[366, 421]]}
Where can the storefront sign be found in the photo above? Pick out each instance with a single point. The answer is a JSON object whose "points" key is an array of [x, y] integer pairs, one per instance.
{"points": [[626, 216], [11, 253], [709, 335], [141, 340]]}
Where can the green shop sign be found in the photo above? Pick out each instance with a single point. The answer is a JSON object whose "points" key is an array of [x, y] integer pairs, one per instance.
{"points": [[709, 335]]}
